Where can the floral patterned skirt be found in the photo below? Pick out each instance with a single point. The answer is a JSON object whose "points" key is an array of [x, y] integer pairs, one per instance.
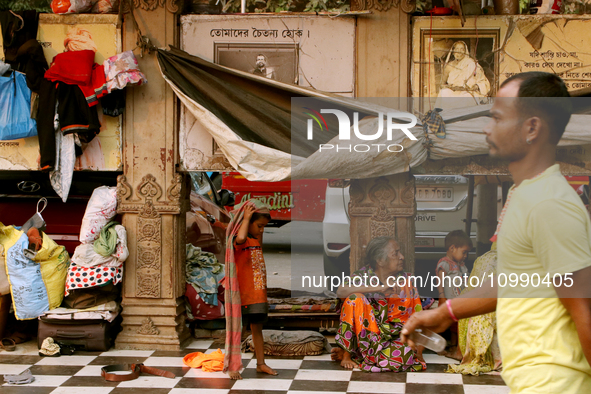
{"points": [[375, 345]]}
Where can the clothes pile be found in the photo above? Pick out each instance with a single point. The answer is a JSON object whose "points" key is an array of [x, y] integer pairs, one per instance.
{"points": [[98, 260], [69, 89], [203, 292], [92, 291]]}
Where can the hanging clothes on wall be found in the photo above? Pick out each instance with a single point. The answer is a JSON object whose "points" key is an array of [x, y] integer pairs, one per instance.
{"points": [[78, 68], [31, 61], [75, 116], [17, 28], [122, 70]]}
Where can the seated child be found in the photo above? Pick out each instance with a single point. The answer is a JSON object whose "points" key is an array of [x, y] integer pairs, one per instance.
{"points": [[457, 244], [245, 267]]}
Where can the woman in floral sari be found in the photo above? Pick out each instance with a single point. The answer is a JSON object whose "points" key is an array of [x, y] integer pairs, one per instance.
{"points": [[373, 313], [477, 336]]}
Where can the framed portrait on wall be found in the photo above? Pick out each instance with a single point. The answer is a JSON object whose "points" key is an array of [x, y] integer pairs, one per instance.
{"points": [[458, 67], [278, 61]]}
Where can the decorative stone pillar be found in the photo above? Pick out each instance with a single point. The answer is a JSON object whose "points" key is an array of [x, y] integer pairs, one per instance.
{"points": [[152, 196], [383, 206]]}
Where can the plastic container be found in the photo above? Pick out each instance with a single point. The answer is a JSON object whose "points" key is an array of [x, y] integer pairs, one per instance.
{"points": [[428, 339]]}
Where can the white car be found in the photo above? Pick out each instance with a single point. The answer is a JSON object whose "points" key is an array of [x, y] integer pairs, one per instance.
{"points": [[441, 208]]}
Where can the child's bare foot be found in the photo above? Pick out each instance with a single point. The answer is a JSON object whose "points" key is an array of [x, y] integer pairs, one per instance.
{"points": [[347, 362], [264, 368], [235, 375], [336, 354]]}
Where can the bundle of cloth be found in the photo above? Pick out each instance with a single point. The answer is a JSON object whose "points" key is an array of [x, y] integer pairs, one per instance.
{"points": [[203, 292], [121, 70], [107, 311], [98, 260], [37, 284]]}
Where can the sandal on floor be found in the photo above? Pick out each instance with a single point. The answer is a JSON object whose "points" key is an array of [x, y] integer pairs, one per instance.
{"points": [[8, 344], [20, 337]]}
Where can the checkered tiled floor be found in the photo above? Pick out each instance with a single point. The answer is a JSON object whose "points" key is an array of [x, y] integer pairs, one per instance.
{"points": [[80, 373]]}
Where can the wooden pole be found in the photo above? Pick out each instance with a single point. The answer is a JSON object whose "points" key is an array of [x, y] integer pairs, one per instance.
{"points": [[487, 217], [470, 205]]}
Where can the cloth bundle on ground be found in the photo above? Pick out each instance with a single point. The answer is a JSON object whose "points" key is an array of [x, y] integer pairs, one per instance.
{"points": [[198, 309], [99, 259], [204, 273], [15, 108], [101, 208], [108, 250], [36, 285], [83, 277], [108, 312], [122, 70], [203, 292], [208, 362], [91, 297], [290, 343]]}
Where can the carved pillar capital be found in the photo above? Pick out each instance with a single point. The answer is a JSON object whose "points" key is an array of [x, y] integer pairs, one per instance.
{"points": [[383, 206]]}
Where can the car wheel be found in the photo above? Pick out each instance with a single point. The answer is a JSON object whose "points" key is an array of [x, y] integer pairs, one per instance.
{"points": [[337, 266]]}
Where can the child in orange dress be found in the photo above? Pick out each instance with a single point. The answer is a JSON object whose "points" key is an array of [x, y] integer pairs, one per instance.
{"points": [[252, 279]]}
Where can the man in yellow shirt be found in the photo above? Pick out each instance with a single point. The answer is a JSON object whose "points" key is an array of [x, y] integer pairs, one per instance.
{"points": [[544, 249]]}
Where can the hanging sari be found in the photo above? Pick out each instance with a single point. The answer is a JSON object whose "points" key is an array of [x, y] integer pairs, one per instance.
{"points": [[370, 327]]}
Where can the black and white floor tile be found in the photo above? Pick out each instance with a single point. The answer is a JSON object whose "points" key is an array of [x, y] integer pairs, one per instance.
{"points": [[80, 373]]}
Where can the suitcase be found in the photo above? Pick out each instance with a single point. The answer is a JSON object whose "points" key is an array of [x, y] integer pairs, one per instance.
{"points": [[89, 335]]}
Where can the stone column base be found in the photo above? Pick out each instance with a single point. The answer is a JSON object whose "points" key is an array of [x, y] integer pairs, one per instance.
{"points": [[159, 331]]}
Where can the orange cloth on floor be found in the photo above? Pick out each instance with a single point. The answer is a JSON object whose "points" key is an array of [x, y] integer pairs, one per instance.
{"points": [[208, 362]]}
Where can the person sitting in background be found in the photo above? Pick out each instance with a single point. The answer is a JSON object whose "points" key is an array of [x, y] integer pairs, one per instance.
{"points": [[477, 336], [457, 244], [373, 313]]}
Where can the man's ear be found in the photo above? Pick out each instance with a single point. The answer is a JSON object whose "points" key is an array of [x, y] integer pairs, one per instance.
{"points": [[532, 128]]}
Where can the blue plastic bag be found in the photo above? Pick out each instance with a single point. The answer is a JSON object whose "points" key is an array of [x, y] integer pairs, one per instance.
{"points": [[15, 108]]}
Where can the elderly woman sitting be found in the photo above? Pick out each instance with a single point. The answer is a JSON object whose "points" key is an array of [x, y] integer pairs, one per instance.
{"points": [[373, 314]]}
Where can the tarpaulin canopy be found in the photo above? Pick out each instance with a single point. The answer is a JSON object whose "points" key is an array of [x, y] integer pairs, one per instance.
{"points": [[251, 118]]}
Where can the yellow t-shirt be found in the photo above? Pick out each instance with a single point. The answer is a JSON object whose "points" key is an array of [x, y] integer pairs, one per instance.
{"points": [[546, 230]]}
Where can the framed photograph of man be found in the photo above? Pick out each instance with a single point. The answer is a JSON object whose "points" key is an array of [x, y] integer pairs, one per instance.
{"points": [[458, 67], [278, 61]]}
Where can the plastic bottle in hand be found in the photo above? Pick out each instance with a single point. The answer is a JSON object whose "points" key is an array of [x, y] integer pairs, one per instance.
{"points": [[428, 339]]}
